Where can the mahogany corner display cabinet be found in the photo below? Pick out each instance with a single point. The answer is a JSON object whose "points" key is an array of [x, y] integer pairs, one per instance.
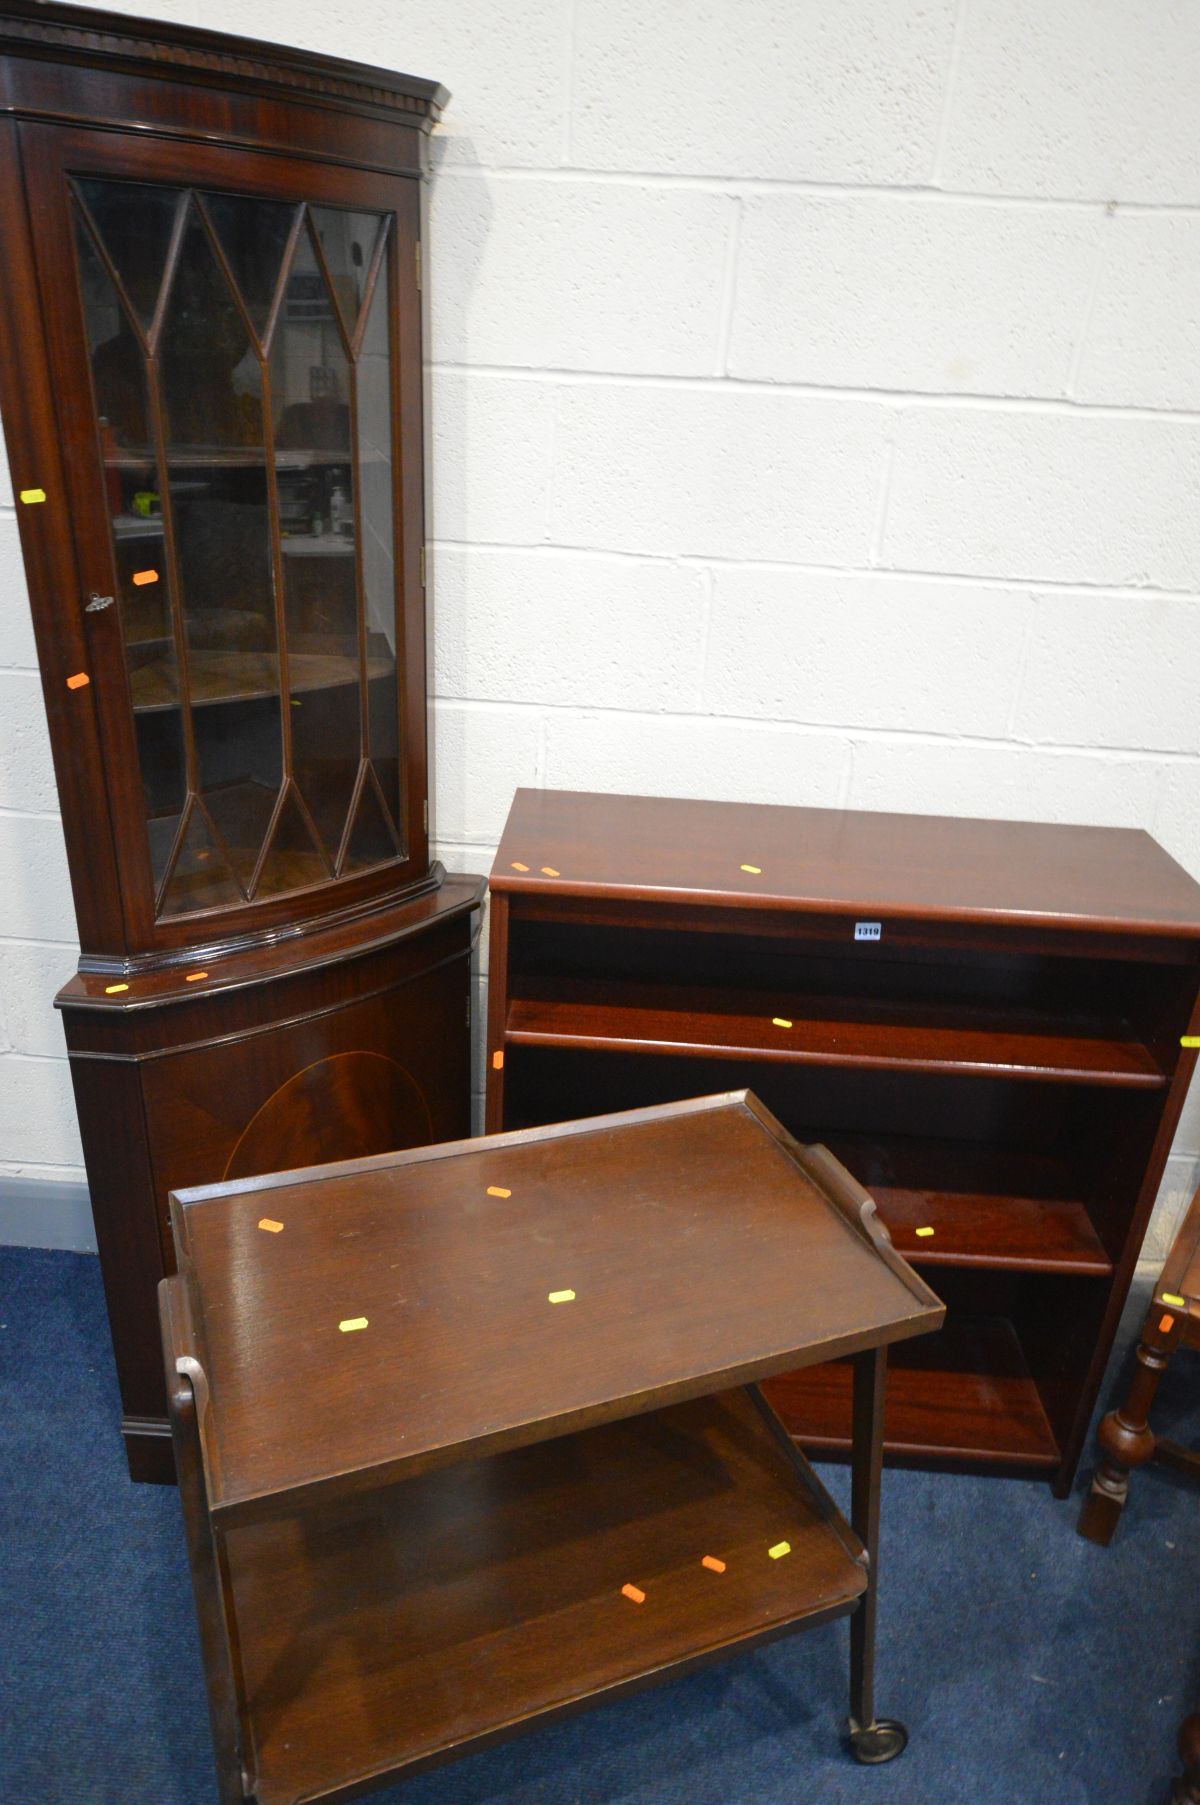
{"points": [[992, 1024], [472, 1434], [211, 374]]}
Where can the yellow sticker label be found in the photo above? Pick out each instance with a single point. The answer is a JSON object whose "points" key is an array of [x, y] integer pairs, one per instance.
{"points": [[194, 977], [498, 1191], [549, 871], [351, 1323], [1189, 1040], [30, 496], [1172, 1297], [780, 1549], [924, 1231], [517, 865], [754, 870], [562, 1297], [113, 990], [274, 1228], [780, 1021]]}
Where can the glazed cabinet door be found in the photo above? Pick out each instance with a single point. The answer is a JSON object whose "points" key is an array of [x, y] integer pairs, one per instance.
{"points": [[235, 346]]}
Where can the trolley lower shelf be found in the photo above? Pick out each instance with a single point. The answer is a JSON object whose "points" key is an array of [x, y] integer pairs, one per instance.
{"points": [[404, 1625]]}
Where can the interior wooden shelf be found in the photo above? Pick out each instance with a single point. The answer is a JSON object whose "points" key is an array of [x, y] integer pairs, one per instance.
{"points": [[739, 1024], [137, 526], [1030, 1234], [964, 1394], [381, 1633], [215, 677], [1025, 1220], [316, 545], [218, 457]]}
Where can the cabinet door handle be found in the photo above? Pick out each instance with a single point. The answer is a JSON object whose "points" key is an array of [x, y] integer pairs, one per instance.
{"points": [[96, 603]]}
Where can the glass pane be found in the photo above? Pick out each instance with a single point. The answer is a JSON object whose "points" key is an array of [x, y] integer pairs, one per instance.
{"points": [[294, 859], [135, 222], [133, 494], [216, 454], [348, 241], [371, 840], [310, 395], [310, 380], [201, 878], [212, 380], [118, 361], [378, 545], [254, 236]]}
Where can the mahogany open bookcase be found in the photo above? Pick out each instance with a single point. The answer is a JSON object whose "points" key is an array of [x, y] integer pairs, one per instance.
{"points": [[992, 1024]]}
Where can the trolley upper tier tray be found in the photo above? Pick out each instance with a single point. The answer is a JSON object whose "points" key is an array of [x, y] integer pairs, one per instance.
{"points": [[356, 1324]]}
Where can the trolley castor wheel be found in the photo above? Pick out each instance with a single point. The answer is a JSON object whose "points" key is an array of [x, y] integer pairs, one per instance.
{"points": [[881, 1741]]}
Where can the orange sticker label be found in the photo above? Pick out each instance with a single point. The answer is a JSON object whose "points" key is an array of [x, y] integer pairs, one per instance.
{"points": [[113, 990], [194, 977], [498, 1191], [713, 1564], [142, 577], [635, 1593], [497, 1062], [272, 1227], [79, 681], [517, 865], [1166, 1325]]}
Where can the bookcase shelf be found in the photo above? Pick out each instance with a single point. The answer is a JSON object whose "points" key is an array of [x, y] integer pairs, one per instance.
{"points": [[982, 1020], [965, 1395], [807, 1031]]}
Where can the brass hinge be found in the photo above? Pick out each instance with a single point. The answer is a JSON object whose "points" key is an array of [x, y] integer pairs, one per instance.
{"points": [[422, 567], [418, 263]]}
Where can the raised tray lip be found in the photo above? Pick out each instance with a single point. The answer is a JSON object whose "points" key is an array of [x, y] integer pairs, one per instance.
{"points": [[159, 47], [246, 1503], [503, 880]]}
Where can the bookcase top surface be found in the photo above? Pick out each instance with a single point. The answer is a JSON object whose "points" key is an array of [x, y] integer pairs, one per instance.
{"points": [[758, 855], [358, 1322]]}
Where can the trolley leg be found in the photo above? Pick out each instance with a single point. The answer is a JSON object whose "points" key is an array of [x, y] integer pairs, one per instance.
{"points": [[872, 1739]]}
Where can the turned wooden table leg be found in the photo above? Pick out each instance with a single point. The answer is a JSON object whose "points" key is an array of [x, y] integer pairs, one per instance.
{"points": [[1187, 1788], [1126, 1438]]}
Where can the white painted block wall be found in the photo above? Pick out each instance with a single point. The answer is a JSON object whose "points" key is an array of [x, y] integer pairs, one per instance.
{"points": [[817, 420]]}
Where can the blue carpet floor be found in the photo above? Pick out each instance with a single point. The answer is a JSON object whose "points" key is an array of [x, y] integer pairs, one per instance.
{"points": [[1028, 1665]]}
